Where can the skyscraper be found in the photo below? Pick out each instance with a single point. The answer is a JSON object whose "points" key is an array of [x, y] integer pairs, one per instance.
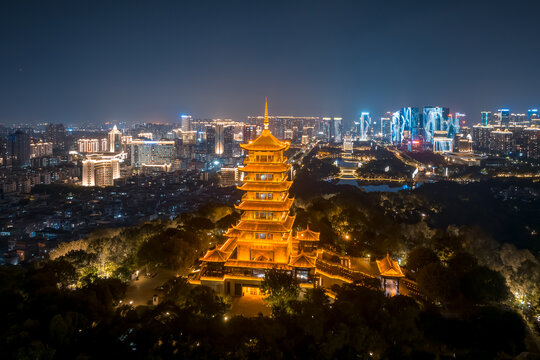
{"points": [[338, 130], [115, 140], [386, 128], [435, 118], [18, 149], [186, 122], [410, 119], [485, 118], [364, 126], [56, 134]]}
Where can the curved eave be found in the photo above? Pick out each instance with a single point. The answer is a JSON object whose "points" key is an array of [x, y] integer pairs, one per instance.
{"points": [[265, 185], [248, 225], [266, 205]]}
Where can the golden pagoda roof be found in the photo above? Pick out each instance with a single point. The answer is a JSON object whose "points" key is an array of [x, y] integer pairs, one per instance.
{"points": [[265, 168], [270, 226], [266, 141], [302, 260], [216, 255], [265, 186], [307, 235], [266, 205], [389, 267]]}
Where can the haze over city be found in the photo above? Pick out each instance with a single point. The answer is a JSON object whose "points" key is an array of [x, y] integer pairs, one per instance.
{"points": [[98, 61]]}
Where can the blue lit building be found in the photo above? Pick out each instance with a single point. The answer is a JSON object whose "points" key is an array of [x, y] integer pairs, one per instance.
{"points": [[364, 126], [435, 118], [503, 117], [485, 118], [397, 132], [532, 114], [410, 121]]}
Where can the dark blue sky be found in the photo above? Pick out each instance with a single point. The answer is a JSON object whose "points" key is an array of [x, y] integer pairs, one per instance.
{"points": [[93, 61]]}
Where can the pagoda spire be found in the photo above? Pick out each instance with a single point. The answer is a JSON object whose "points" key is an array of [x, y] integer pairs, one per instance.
{"points": [[266, 115]]}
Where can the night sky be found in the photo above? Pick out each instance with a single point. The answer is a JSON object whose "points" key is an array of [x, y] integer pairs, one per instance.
{"points": [[95, 61]]}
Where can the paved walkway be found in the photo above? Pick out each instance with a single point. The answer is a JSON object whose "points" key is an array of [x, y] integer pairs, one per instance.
{"points": [[140, 292], [249, 306]]}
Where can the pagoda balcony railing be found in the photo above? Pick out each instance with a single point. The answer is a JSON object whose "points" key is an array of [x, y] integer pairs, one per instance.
{"points": [[276, 199], [248, 160]]}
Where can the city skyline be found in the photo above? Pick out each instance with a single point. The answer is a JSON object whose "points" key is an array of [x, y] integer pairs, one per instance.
{"points": [[79, 64]]}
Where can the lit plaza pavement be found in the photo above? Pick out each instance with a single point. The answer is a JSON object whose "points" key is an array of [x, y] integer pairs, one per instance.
{"points": [[140, 292], [249, 306]]}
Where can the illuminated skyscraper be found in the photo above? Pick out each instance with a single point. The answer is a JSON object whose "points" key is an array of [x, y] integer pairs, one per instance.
{"points": [[338, 130], [364, 126], [397, 130], [386, 128], [485, 118], [327, 129], [502, 117], [186, 122], [410, 118], [115, 140], [435, 118], [100, 170]]}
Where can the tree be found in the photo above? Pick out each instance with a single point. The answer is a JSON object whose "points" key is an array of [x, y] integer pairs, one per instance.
{"points": [[421, 257], [462, 262], [280, 288], [482, 285], [437, 282]]}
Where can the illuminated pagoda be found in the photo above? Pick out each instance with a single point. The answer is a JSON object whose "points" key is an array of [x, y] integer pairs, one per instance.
{"points": [[262, 239]]}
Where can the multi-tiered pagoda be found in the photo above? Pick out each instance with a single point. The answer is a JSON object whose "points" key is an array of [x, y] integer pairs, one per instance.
{"points": [[262, 239]]}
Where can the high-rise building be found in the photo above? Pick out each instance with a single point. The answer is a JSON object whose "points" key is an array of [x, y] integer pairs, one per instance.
{"points": [[56, 134], [100, 170], [435, 118], [18, 149], [500, 142], [533, 143], [88, 146], [186, 122], [364, 126], [532, 114], [481, 136], [210, 140], [485, 118], [249, 133], [224, 139], [115, 140], [328, 129], [152, 152], [410, 118], [386, 128], [465, 144], [338, 130], [502, 117], [40, 149]]}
